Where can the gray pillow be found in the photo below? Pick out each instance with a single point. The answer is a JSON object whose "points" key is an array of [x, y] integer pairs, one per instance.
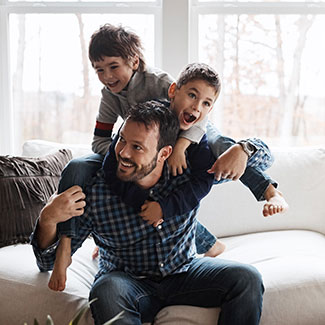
{"points": [[25, 186]]}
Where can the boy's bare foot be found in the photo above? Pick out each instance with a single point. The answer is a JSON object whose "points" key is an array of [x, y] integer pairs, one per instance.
{"points": [[95, 252], [275, 202], [62, 262], [216, 249]]}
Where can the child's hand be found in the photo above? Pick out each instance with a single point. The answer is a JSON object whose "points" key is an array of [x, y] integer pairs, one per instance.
{"points": [[152, 212], [231, 164], [177, 160]]}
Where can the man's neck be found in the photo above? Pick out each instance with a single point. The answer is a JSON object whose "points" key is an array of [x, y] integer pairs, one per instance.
{"points": [[151, 179]]}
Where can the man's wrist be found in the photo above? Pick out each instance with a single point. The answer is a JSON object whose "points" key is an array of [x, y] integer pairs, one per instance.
{"points": [[46, 219], [247, 147]]}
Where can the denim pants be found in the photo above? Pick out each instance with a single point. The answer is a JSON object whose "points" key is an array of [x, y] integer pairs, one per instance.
{"points": [[80, 170], [209, 282]]}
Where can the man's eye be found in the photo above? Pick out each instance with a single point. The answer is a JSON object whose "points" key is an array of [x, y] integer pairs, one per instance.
{"points": [[121, 139], [192, 95], [137, 148]]}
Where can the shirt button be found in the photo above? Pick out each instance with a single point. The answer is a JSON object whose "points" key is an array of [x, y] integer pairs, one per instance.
{"points": [[161, 264], [159, 227], [151, 192]]}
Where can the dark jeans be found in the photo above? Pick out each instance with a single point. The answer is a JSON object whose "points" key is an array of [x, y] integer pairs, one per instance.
{"points": [[209, 282]]}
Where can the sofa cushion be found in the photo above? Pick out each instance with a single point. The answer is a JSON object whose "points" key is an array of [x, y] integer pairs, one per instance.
{"points": [[25, 186]]}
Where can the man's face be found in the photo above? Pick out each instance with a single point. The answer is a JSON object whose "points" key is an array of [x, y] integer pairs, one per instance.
{"points": [[192, 102], [114, 72], [136, 151]]}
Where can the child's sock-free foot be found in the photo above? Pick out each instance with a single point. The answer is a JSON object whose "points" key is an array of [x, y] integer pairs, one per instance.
{"points": [[62, 262], [275, 204]]}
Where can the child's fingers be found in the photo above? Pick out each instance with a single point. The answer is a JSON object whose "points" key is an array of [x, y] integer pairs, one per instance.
{"points": [[174, 171], [157, 223]]}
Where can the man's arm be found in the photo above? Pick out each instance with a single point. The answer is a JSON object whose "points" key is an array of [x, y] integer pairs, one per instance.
{"points": [[59, 208], [231, 159]]}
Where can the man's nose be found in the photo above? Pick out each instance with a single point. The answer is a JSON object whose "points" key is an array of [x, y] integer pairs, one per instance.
{"points": [[125, 152]]}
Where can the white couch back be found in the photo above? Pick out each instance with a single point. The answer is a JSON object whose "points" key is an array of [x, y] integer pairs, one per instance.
{"points": [[230, 209]]}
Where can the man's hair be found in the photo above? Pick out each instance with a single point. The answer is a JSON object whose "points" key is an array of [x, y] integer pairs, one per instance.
{"points": [[199, 71], [116, 41], [152, 113]]}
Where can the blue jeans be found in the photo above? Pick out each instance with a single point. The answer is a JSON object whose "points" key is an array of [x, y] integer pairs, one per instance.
{"points": [[209, 282], [80, 170]]}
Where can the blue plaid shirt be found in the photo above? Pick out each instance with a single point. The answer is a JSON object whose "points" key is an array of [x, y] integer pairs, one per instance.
{"points": [[127, 242]]}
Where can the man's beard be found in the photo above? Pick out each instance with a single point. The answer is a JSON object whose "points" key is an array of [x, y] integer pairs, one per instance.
{"points": [[137, 173]]}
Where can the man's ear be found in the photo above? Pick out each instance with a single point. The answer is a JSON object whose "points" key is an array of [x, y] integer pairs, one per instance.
{"points": [[135, 64], [171, 90], [164, 153]]}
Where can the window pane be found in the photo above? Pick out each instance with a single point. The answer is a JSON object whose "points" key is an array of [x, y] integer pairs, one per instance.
{"points": [[83, 1], [273, 73], [56, 92], [307, 1]]}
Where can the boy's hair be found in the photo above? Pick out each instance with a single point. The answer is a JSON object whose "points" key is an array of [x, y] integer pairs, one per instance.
{"points": [[199, 71], [116, 41], [152, 113]]}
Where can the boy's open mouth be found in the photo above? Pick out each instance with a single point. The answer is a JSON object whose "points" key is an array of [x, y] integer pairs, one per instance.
{"points": [[189, 118], [112, 84]]}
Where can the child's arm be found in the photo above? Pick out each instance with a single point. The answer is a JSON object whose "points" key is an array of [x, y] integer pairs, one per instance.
{"points": [[177, 160], [188, 194], [109, 111], [152, 213]]}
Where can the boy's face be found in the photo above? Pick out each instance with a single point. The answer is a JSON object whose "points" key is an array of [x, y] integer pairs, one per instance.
{"points": [[192, 102], [114, 72]]}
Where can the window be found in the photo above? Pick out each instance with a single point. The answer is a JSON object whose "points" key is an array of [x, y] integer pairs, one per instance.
{"points": [[55, 91], [270, 58]]}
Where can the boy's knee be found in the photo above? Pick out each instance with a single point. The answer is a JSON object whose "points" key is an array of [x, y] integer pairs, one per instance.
{"points": [[76, 172]]}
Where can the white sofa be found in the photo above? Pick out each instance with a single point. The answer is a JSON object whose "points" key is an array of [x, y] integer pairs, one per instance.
{"points": [[288, 250]]}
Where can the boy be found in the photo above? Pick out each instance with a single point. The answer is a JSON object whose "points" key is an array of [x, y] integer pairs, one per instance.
{"points": [[116, 56]]}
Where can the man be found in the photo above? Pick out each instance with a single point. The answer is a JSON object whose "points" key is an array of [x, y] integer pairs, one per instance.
{"points": [[144, 268]]}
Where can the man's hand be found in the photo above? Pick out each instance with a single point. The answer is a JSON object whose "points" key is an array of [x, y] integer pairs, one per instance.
{"points": [[64, 206], [152, 212], [231, 164], [59, 208]]}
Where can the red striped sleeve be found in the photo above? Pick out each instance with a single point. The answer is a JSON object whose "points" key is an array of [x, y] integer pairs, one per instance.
{"points": [[104, 126]]}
